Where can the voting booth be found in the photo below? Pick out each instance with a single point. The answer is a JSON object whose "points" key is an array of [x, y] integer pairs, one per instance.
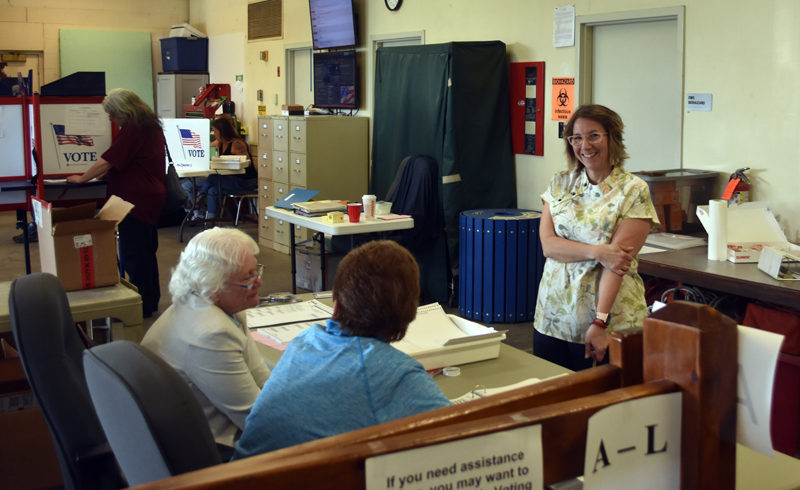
{"points": [[74, 132], [14, 166], [188, 143]]}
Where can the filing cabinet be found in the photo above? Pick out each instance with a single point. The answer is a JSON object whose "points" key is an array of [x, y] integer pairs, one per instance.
{"points": [[325, 153]]}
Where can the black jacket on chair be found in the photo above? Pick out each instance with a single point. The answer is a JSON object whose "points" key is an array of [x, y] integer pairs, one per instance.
{"points": [[415, 191]]}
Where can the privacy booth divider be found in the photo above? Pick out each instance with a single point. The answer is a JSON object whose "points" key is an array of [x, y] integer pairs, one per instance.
{"points": [[451, 102]]}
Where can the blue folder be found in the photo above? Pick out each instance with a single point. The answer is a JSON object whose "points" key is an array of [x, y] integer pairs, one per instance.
{"points": [[295, 195]]}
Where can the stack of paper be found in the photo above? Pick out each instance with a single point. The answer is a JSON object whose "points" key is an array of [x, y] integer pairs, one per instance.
{"points": [[437, 339], [318, 208], [673, 241], [229, 162]]}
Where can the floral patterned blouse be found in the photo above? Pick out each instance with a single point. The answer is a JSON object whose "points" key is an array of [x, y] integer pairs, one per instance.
{"points": [[588, 213]]}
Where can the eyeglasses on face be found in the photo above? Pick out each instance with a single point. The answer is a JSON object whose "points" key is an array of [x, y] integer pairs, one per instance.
{"points": [[252, 280], [577, 139]]}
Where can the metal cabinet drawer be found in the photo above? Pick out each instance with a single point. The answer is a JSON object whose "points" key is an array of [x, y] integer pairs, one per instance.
{"points": [[298, 170], [297, 134], [280, 166]]}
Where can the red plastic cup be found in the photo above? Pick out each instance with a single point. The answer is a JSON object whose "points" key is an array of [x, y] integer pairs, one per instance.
{"points": [[354, 211]]}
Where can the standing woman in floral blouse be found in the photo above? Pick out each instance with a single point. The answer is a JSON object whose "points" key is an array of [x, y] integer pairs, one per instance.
{"points": [[595, 218]]}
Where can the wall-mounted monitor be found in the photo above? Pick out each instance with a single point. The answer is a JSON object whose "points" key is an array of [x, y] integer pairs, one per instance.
{"points": [[336, 80], [333, 23]]}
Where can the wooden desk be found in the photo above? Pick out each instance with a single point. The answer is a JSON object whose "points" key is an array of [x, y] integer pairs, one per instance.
{"points": [[691, 266], [318, 224], [120, 301]]}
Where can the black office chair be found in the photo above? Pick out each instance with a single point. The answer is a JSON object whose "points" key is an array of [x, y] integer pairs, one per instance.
{"points": [[250, 200], [415, 191], [50, 350], [152, 419]]}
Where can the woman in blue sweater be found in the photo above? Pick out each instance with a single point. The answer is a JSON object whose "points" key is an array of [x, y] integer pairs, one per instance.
{"points": [[344, 375]]}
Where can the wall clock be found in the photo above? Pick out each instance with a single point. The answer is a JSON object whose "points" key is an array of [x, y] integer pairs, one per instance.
{"points": [[393, 4]]}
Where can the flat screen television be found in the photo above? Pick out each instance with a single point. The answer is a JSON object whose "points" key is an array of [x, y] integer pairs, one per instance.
{"points": [[336, 80], [333, 23]]}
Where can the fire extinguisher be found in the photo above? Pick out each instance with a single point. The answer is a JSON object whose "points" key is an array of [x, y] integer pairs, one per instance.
{"points": [[741, 193]]}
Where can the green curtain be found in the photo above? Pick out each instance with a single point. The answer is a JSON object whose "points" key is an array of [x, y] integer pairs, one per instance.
{"points": [[451, 102]]}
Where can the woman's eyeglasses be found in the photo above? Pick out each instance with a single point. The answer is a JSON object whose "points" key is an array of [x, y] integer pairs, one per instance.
{"points": [[577, 139], [252, 281]]}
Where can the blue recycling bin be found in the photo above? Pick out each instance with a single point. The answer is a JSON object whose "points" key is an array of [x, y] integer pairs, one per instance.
{"points": [[500, 264]]}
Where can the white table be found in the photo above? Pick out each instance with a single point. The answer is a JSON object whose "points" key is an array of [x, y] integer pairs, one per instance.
{"points": [[320, 225], [120, 301]]}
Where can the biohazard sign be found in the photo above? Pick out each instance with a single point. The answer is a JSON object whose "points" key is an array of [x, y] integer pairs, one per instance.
{"points": [[563, 102]]}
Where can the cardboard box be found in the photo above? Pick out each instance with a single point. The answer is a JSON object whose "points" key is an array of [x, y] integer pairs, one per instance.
{"points": [[77, 246], [751, 227]]}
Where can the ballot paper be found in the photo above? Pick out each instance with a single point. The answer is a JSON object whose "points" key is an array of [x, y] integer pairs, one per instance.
{"points": [[268, 316]]}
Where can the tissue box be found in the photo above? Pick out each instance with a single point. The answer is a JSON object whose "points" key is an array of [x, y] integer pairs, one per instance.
{"points": [[751, 227], [77, 246]]}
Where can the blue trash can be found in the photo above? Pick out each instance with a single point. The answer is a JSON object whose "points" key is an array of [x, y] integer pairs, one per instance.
{"points": [[500, 264]]}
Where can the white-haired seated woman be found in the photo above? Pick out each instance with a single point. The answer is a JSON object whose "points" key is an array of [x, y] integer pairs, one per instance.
{"points": [[202, 336]]}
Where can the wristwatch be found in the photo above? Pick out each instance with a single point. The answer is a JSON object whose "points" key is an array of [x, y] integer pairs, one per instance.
{"points": [[603, 317]]}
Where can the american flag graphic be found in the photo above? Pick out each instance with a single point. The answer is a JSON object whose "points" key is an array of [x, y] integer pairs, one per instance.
{"points": [[190, 138], [347, 94], [71, 139]]}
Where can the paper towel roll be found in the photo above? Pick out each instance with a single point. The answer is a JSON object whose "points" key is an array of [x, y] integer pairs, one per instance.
{"points": [[718, 231]]}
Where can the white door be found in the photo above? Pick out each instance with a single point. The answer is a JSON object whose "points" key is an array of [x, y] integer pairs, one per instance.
{"points": [[637, 70], [299, 86]]}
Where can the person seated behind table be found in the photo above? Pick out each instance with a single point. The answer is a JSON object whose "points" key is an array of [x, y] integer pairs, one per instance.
{"points": [[227, 142], [201, 334], [344, 376]]}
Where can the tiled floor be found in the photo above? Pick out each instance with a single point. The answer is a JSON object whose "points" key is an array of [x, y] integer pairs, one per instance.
{"points": [[277, 274]]}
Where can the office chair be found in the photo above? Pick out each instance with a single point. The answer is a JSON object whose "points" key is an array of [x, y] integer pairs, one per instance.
{"points": [[250, 198], [415, 192], [152, 419], [50, 350]]}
